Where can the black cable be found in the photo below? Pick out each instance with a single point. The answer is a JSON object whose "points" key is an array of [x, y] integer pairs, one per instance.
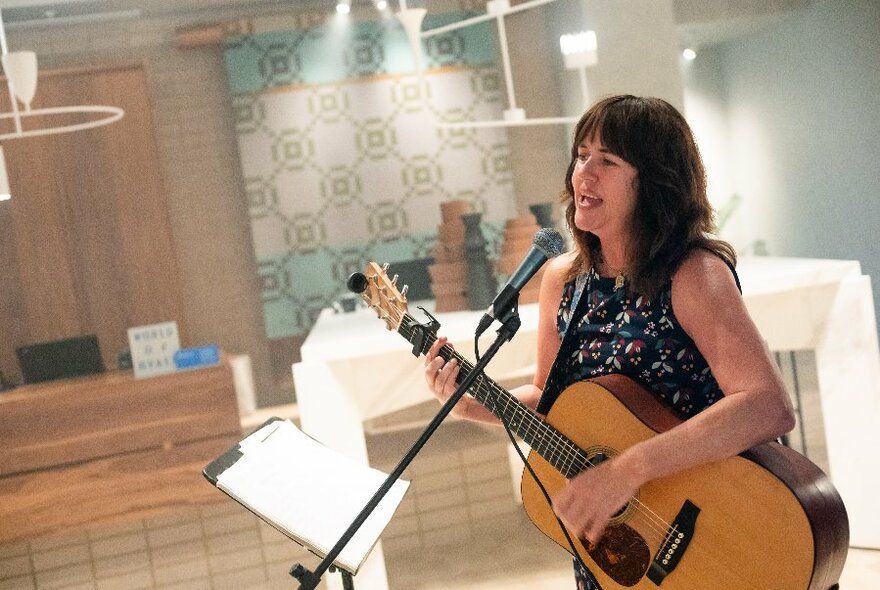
{"points": [[537, 480], [534, 476]]}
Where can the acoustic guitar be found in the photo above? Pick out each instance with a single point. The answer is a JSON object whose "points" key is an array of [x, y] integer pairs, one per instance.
{"points": [[767, 519]]}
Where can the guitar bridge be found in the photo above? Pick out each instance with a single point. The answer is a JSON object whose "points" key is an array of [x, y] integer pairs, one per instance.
{"points": [[678, 536]]}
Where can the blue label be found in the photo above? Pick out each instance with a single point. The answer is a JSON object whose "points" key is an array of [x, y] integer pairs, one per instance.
{"points": [[200, 356]]}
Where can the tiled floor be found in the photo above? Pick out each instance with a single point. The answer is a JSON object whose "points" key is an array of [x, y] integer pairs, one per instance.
{"points": [[515, 556]]}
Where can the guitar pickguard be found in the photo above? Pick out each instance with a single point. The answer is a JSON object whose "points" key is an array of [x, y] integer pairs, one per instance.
{"points": [[622, 554]]}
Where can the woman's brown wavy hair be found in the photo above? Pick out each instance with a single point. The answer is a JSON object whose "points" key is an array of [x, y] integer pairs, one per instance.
{"points": [[672, 214]]}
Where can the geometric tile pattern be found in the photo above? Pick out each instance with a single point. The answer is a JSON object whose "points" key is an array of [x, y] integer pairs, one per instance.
{"points": [[341, 158]]}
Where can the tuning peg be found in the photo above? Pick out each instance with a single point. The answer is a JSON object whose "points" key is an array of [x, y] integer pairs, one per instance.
{"points": [[385, 267], [404, 290], [394, 279]]}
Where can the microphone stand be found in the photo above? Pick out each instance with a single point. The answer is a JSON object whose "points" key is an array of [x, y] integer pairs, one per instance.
{"points": [[309, 580]]}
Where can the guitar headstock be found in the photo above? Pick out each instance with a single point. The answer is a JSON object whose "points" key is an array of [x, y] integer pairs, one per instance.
{"points": [[380, 293]]}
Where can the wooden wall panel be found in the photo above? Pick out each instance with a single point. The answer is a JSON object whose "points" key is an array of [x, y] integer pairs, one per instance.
{"points": [[94, 252], [143, 228], [40, 235], [10, 295]]}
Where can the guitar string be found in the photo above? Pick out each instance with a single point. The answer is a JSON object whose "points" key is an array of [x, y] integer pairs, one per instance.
{"points": [[536, 425], [578, 460], [576, 456], [659, 529]]}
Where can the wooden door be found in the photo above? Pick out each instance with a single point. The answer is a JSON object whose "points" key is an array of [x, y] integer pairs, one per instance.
{"points": [[87, 245]]}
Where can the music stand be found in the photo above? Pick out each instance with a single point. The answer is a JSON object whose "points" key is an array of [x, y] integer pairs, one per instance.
{"points": [[305, 490]]}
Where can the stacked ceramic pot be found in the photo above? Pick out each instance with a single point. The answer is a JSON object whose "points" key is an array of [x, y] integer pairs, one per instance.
{"points": [[519, 234], [449, 273]]}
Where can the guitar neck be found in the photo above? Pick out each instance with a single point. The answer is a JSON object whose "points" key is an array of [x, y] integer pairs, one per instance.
{"points": [[544, 439]]}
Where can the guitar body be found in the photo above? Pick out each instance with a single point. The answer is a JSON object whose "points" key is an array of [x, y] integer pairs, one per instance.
{"points": [[765, 520]]}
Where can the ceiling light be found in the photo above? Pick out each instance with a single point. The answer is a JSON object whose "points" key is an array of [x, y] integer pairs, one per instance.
{"points": [[689, 54], [579, 50], [343, 7], [411, 19]]}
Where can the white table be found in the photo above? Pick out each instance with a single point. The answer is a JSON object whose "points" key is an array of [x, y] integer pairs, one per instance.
{"points": [[352, 369], [827, 306]]}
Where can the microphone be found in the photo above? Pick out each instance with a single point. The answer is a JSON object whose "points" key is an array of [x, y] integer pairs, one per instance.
{"points": [[546, 244]]}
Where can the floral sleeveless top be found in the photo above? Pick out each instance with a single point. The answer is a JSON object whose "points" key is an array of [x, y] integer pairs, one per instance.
{"points": [[625, 333]]}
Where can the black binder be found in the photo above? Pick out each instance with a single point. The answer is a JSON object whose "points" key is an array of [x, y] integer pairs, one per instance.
{"points": [[213, 469]]}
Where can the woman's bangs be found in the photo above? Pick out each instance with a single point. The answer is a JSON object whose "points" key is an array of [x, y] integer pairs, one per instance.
{"points": [[615, 131], [609, 122]]}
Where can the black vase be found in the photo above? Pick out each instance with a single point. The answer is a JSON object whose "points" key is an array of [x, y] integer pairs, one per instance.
{"points": [[543, 213], [482, 287]]}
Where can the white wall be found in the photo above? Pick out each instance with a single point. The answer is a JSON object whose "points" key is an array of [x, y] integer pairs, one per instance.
{"points": [[705, 106], [802, 103]]}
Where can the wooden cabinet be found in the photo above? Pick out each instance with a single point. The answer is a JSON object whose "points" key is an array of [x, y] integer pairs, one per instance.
{"points": [[110, 447]]}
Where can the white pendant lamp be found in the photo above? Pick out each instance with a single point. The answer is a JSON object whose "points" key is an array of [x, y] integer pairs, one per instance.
{"points": [[20, 69]]}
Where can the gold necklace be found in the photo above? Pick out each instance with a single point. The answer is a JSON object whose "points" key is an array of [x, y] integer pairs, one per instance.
{"points": [[620, 279]]}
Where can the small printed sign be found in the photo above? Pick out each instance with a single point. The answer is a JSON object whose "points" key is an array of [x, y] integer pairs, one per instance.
{"points": [[152, 349]]}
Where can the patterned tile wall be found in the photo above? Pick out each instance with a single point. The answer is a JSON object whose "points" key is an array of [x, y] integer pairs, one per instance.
{"points": [[341, 158]]}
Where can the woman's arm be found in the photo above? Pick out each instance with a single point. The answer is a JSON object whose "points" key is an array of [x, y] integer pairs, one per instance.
{"points": [[755, 407], [440, 375]]}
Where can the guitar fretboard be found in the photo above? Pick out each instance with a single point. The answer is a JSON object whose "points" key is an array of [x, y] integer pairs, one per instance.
{"points": [[543, 438]]}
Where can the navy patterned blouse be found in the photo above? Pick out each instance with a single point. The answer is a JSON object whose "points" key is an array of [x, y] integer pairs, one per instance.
{"points": [[626, 333]]}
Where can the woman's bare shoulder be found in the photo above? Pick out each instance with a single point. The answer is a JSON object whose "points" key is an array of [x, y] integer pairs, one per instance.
{"points": [[562, 264], [555, 275], [702, 268], [704, 286]]}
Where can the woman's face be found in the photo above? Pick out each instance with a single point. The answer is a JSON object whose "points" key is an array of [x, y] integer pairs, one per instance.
{"points": [[604, 191]]}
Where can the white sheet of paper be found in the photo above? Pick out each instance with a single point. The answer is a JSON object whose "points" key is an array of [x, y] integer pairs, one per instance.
{"points": [[311, 492]]}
